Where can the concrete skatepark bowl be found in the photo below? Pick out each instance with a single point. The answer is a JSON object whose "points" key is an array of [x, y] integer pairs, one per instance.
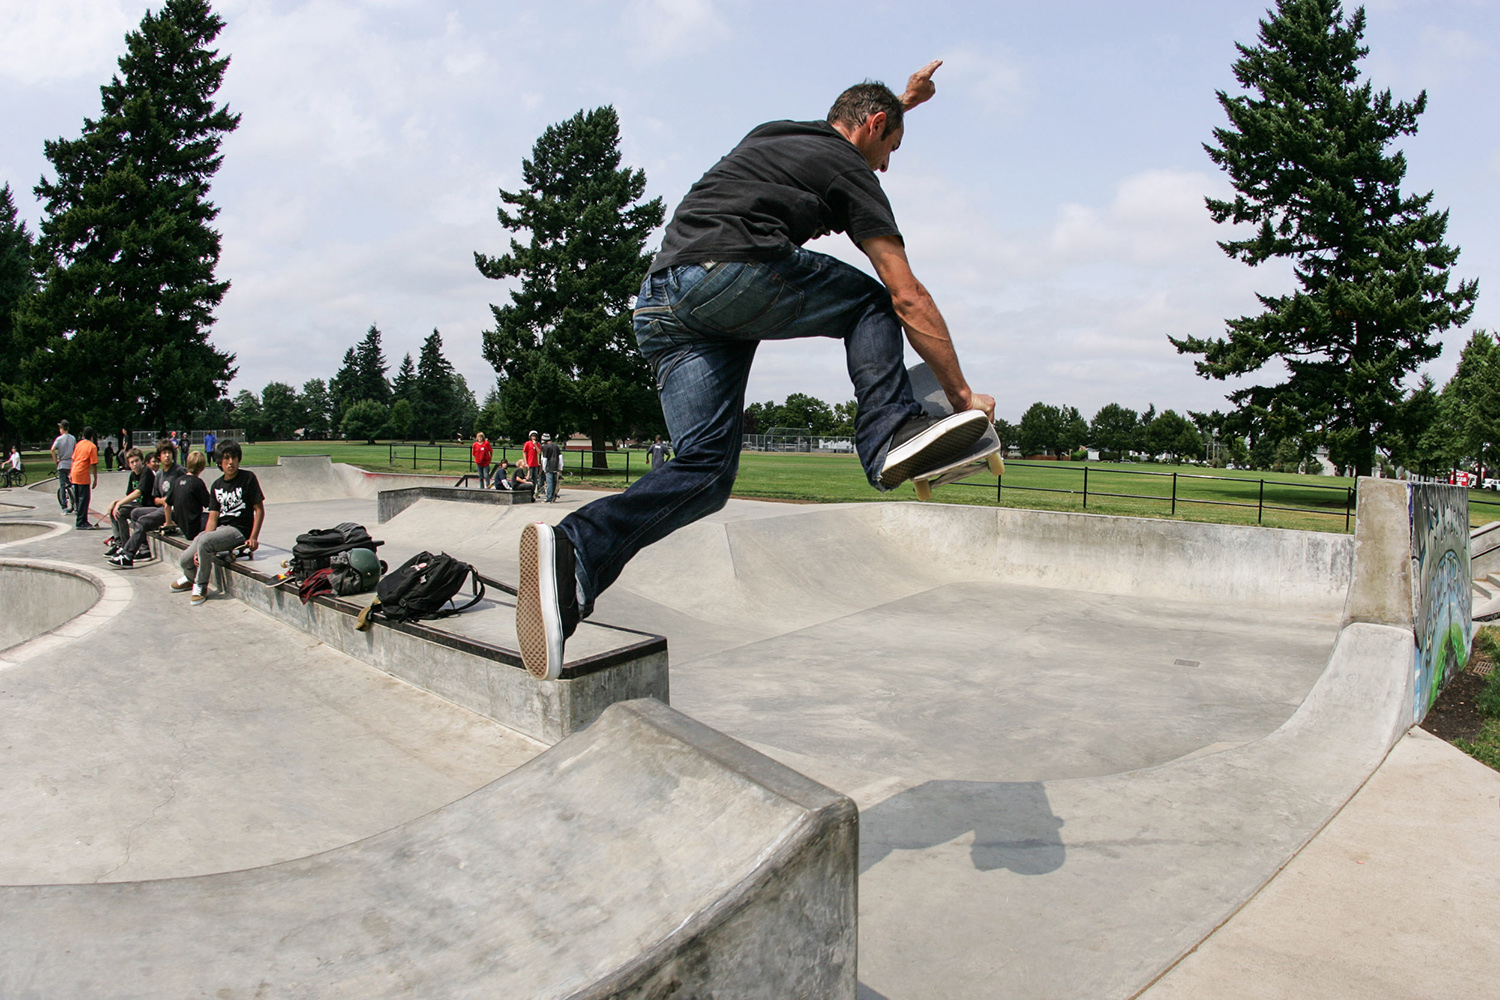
{"points": [[1077, 745]]}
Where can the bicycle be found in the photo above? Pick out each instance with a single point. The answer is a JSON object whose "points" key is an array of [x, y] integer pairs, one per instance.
{"points": [[14, 477]]}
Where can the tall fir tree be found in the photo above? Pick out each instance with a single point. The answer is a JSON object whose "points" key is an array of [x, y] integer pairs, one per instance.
{"points": [[372, 367], [119, 331], [564, 349], [343, 388], [433, 398], [1307, 153], [406, 378], [17, 281]]}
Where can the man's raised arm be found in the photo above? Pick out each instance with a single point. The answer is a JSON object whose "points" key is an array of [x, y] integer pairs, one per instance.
{"points": [[925, 328], [919, 87]]}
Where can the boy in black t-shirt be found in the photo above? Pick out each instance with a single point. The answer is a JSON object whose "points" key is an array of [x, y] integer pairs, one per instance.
{"points": [[152, 513], [733, 272], [138, 490], [189, 500], [236, 510]]}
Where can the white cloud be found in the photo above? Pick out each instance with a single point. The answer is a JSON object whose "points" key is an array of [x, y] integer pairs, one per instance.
{"points": [[996, 83], [45, 42], [664, 29]]}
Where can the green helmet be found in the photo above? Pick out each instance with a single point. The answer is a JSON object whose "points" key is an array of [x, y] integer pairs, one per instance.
{"points": [[367, 565]]}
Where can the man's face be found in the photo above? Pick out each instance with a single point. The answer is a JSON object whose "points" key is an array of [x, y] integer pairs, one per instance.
{"points": [[165, 459], [229, 465], [135, 463], [873, 144]]}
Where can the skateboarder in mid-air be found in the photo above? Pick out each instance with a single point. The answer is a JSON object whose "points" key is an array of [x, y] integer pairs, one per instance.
{"points": [[731, 273]]}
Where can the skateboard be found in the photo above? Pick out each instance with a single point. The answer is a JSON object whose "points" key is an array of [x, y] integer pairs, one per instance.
{"points": [[984, 454], [243, 552]]}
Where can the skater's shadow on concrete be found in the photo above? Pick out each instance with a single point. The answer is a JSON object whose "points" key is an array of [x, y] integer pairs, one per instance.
{"points": [[1012, 824]]}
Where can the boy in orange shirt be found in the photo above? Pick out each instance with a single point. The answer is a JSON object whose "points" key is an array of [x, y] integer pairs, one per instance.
{"points": [[84, 477]]}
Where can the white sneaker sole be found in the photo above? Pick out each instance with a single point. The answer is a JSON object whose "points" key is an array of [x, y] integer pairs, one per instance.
{"points": [[538, 620], [945, 441]]}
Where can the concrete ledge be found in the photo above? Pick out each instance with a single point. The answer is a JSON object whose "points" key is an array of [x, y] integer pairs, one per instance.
{"points": [[476, 675], [389, 503], [648, 856]]}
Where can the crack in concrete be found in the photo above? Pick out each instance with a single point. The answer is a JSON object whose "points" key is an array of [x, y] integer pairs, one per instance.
{"points": [[181, 764]]}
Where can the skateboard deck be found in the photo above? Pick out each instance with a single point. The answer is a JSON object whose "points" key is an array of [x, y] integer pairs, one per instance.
{"points": [[984, 455]]}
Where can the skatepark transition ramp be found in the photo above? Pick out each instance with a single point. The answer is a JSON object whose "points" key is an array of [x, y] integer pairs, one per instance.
{"points": [[648, 856]]}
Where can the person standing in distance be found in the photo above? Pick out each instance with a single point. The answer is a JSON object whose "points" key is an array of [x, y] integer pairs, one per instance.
{"points": [[84, 477], [731, 273], [62, 457], [551, 465], [482, 451], [658, 453]]}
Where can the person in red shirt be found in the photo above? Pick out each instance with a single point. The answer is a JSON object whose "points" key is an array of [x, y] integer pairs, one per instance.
{"points": [[481, 449], [532, 452], [84, 477]]}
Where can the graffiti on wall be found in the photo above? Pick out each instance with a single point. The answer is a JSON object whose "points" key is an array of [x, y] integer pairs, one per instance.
{"points": [[1442, 597]]}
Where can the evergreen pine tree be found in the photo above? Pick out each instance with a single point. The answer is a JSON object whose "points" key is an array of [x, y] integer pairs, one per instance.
{"points": [[372, 367], [406, 378], [564, 348], [119, 329], [343, 388], [1306, 151], [434, 402], [16, 282]]}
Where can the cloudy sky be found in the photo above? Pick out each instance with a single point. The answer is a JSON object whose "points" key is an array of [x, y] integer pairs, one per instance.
{"points": [[1051, 195]]}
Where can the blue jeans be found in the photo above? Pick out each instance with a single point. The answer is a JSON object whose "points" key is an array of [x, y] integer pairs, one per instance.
{"points": [[698, 327], [484, 477], [65, 488], [551, 486]]}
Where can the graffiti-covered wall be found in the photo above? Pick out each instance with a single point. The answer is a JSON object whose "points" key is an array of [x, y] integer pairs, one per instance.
{"points": [[1442, 598]]}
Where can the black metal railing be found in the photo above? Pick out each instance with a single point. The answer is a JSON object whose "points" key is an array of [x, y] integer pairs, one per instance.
{"points": [[1174, 496]]}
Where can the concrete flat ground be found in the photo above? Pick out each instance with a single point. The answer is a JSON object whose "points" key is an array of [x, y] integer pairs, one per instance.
{"points": [[1007, 744], [177, 741]]}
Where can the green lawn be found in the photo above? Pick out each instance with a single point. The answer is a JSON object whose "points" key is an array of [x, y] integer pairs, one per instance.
{"points": [[826, 478]]}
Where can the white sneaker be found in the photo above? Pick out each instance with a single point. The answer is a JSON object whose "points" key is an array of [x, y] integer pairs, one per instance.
{"points": [[197, 597], [181, 583]]}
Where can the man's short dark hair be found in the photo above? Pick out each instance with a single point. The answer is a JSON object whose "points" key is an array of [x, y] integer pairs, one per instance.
{"points": [[166, 448], [230, 449], [861, 101]]}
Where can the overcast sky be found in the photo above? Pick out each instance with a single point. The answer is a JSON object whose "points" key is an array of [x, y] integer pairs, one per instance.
{"points": [[1051, 195]]}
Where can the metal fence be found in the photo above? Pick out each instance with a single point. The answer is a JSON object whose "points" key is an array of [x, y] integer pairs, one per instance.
{"points": [[147, 439], [459, 457], [804, 442], [1173, 497]]}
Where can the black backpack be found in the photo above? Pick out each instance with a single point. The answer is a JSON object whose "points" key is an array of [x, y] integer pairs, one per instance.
{"points": [[314, 550], [420, 587]]}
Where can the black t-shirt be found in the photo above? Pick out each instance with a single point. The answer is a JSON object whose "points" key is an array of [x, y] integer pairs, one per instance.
{"points": [[784, 184], [145, 481], [235, 500], [189, 499]]}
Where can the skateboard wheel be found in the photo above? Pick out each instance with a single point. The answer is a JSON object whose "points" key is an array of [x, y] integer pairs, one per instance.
{"points": [[924, 489], [997, 464]]}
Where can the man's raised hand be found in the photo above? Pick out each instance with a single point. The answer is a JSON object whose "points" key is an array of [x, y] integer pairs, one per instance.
{"points": [[920, 87]]}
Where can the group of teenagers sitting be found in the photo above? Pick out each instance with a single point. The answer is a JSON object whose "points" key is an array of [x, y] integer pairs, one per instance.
{"points": [[162, 495]]}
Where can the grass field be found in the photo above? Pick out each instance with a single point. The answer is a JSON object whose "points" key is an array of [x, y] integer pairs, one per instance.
{"points": [[1232, 498]]}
